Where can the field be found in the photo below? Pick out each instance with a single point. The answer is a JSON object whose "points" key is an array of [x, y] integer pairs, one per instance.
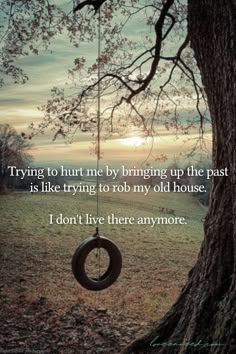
{"points": [[35, 257]]}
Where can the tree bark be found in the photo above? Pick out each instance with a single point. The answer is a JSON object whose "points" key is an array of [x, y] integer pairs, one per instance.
{"points": [[205, 312]]}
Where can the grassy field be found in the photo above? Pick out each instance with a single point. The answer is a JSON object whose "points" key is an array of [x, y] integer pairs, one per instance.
{"points": [[35, 258]]}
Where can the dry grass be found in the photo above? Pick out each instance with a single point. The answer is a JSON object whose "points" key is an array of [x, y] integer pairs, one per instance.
{"points": [[35, 257]]}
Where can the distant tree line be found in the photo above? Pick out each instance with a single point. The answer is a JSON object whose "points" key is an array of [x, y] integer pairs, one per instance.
{"points": [[14, 151]]}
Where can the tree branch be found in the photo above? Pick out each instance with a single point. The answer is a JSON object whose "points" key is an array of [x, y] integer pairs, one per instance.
{"points": [[158, 31], [95, 3]]}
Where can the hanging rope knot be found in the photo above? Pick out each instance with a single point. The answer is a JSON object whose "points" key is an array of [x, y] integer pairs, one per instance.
{"points": [[96, 232]]}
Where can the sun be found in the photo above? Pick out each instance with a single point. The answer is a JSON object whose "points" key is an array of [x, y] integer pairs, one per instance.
{"points": [[133, 141]]}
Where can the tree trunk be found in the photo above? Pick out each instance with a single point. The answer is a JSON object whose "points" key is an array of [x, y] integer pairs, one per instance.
{"points": [[203, 320]]}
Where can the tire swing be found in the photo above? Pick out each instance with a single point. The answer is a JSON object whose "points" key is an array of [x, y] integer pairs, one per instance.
{"points": [[102, 281], [97, 242]]}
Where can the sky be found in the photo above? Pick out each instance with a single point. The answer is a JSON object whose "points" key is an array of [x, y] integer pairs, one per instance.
{"points": [[19, 107]]}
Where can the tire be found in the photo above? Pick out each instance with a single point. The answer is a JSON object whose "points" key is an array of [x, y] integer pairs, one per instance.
{"points": [[79, 260]]}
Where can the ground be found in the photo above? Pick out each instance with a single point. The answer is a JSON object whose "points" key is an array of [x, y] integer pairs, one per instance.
{"points": [[44, 309]]}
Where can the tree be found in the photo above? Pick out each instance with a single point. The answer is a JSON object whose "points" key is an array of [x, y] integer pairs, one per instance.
{"points": [[205, 311], [13, 151]]}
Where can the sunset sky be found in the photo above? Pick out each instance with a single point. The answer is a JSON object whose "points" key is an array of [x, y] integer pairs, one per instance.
{"points": [[18, 107]]}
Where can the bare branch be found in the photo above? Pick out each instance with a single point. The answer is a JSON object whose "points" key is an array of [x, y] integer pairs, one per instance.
{"points": [[95, 3], [158, 31]]}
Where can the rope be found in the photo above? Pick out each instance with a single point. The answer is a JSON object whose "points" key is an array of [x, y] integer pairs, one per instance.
{"points": [[98, 112], [98, 135]]}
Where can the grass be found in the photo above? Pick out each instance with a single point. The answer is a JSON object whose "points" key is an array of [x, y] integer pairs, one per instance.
{"points": [[35, 257]]}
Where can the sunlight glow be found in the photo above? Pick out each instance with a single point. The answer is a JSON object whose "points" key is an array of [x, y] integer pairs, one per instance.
{"points": [[138, 140], [133, 141]]}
